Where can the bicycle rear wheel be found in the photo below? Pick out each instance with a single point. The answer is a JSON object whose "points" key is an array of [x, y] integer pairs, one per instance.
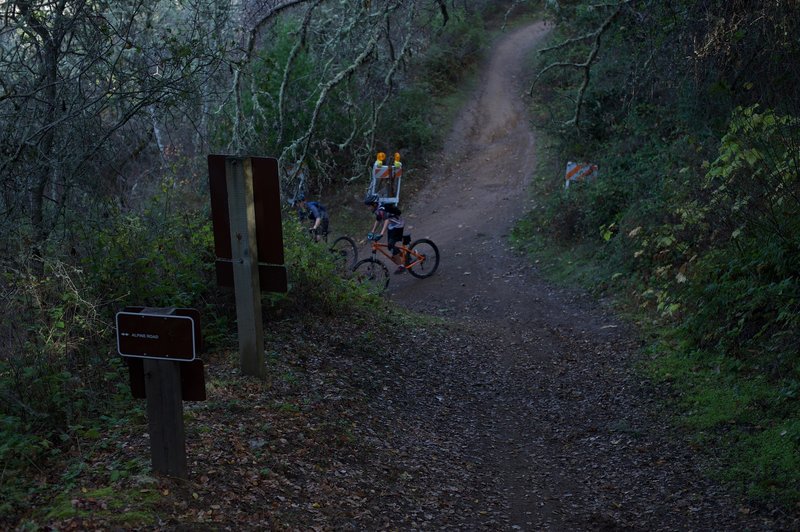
{"points": [[424, 258], [371, 274], [345, 254]]}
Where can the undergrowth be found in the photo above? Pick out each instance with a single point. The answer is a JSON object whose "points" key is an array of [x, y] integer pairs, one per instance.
{"points": [[692, 228], [722, 347], [63, 386]]}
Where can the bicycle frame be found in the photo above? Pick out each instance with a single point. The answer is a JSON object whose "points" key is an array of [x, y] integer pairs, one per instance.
{"points": [[419, 258], [405, 252]]}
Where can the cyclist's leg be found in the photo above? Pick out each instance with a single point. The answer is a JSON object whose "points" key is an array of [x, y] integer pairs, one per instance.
{"points": [[323, 226], [394, 236]]}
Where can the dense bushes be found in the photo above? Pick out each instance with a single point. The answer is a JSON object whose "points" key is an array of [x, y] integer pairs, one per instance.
{"points": [[314, 285], [687, 226], [59, 373], [56, 371], [696, 213], [60, 378], [744, 294], [454, 52]]}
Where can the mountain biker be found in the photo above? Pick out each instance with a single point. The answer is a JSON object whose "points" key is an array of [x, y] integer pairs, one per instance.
{"points": [[313, 210], [391, 223]]}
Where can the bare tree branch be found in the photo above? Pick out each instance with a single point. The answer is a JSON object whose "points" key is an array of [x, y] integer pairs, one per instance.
{"points": [[325, 89], [265, 19], [289, 61], [388, 78], [585, 66], [443, 8]]}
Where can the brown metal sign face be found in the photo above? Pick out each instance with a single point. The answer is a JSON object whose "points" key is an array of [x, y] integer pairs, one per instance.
{"points": [[193, 379], [158, 336], [269, 232]]}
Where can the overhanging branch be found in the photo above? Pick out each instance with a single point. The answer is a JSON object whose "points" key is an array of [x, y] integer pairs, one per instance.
{"points": [[585, 66]]}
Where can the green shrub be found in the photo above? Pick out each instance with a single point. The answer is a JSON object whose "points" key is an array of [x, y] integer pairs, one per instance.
{"points": [[59, 378], [708, 250], [409, 122], [314, 284], [56, 375], [153, 260], [744, 293], [454, 52], [768, 462]]}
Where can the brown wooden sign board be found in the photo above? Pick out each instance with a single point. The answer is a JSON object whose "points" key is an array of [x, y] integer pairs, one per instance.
{"points": [[193, 379], [192, 373], [159, 334], [269, 231], [271, 278]]}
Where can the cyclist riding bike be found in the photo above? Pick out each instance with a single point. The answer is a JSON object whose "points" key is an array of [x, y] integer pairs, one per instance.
{"points": [[387, 216], [313, 210]]}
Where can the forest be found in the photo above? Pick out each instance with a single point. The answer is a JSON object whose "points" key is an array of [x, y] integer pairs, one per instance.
{"points": [[108, 111]]}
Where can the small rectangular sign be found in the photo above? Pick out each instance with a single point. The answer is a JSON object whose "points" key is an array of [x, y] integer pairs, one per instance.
{"points": [[158, 336]]}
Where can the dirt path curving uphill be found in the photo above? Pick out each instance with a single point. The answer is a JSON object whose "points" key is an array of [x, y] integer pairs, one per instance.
{"points": [[537, 395]]}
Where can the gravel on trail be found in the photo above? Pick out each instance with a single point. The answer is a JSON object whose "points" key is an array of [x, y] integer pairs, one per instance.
{"points": [[534, 402]]}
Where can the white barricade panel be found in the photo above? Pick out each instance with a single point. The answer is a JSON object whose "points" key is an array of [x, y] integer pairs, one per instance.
{"points": [[386, 180], [579, 172]]}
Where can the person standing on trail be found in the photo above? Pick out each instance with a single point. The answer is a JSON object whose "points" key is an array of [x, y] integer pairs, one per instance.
{"points": [[387, 216], [316, 211]]}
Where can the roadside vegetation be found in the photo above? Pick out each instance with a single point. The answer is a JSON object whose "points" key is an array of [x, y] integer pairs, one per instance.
{"points": [[690, 110], [106, 117]]}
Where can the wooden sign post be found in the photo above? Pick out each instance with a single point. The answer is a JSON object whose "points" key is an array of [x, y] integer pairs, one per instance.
{"points": [[248, 242], [244, 255], [164, 340], [165, 417]]}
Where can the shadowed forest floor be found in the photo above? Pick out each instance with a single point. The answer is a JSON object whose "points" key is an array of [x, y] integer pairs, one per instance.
{"points": [[481, 398]]}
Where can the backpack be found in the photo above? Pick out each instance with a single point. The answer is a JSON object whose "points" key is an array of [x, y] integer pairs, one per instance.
{"points": [[392, 209], [316, 208]]}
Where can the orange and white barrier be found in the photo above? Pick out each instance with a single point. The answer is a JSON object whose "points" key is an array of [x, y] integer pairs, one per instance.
{"points": [[385, 182], [380, 172], [579, 172]]}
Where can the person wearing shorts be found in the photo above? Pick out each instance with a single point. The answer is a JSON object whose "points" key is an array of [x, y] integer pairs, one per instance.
{"points": [[387, 216]]}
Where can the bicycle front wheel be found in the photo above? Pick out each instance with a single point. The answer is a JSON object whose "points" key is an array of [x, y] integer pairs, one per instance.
{"points": [[345, 254], [372, 274], [423, 259]]}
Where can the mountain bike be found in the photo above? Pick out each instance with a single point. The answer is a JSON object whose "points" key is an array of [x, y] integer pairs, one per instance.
{"points": [[343, 249], [420, 259], [345, 254]]}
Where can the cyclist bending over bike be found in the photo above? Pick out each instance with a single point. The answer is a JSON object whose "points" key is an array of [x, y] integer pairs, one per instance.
{"points": [[316, 211], [388, 218]]}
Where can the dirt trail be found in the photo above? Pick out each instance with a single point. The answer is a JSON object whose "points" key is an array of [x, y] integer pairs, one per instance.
{"points": [[477, 192], [557, 431]]}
